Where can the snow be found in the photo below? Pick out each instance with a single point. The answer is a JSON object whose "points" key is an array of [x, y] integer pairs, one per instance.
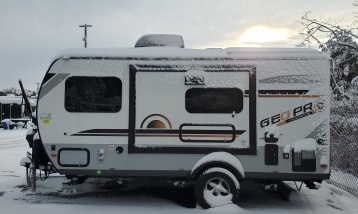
{"points": [[219, 200], [173, 52], [193, 77], [275, 53], [223, 157], [92, 197], [168, 40], [12, 99], [287, 149], [8, 121], [37, 137], [24, 161], [228, 173], [308, 144], [29, 130], [273, 130]]}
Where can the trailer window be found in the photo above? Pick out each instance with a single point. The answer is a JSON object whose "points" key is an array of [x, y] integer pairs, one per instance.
{"points": [[214, 100], [93, 94]]}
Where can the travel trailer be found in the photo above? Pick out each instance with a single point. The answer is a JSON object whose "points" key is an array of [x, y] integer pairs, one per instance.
{"points": [[212, 116]]}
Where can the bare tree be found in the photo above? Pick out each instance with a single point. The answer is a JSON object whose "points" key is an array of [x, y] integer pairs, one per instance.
{"points": [[312, 29], [340, 43]]}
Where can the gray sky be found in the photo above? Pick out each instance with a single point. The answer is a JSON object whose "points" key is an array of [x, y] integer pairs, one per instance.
{"points": [[32, 32]]}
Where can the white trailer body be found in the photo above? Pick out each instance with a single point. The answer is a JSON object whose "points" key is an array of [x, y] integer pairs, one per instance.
{"points": [[156, 129], [174, 112]]}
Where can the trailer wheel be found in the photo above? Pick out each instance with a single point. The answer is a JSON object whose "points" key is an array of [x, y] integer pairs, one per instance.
{"points": [[216, 187]]}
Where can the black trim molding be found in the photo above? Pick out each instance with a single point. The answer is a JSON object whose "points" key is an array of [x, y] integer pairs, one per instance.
{"points": [[286, 176]]}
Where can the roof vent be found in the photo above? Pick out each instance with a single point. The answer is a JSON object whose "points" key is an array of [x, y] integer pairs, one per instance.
{"points": [[154, 40]]}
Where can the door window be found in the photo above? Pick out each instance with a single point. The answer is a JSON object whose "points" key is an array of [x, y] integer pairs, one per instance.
{"points": [[214, 100]]}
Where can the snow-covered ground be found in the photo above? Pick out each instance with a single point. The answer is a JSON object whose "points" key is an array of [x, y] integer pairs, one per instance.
{"points": [[103, 196]]}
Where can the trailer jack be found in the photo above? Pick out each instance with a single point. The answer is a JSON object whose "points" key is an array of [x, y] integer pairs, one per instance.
{"points": [[299, 188]]}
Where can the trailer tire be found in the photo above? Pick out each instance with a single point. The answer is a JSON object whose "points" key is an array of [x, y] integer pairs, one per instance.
{"points": [[216, 187]]}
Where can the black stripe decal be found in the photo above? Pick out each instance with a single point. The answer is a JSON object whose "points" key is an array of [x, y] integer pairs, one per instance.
{"points": [[124, 132], [107, 131], [188, 131], [100, 134], [280, 92]]}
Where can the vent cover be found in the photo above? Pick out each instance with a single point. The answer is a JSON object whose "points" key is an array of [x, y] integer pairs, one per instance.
{"points": [[155, 40]]}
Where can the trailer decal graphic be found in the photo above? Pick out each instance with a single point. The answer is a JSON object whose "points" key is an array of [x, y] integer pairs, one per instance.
{"points": [[52, 83], [298, 113], [165, 133], [45, 118], [286, 94], [158, 123], [292, 79]]}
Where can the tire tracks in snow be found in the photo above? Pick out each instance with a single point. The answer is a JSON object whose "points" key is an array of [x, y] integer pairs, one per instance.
{"points": [[14, 139], [13, 144]]}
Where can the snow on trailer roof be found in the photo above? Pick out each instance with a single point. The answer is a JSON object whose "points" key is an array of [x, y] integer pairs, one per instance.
{"points": [[173, 52], [276, 53], [15, 100]]}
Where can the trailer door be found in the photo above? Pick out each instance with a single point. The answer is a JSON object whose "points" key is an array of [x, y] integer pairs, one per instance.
{"points": [[192, 109]]}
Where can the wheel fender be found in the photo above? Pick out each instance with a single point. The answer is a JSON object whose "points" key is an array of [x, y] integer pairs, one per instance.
{"points": [[218, 159]]}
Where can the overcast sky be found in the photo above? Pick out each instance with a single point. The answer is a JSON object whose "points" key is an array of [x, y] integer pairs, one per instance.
{"points": [[32, 32]]}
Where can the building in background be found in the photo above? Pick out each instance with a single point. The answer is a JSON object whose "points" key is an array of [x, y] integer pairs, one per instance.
{"points": [[13, 107]]}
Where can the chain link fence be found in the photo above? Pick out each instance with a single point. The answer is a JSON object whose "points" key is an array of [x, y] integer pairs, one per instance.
{"points": [[344, 144]]}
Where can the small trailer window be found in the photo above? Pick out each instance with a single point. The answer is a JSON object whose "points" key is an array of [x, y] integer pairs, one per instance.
{"points": [[93, 94], [214, 100]]}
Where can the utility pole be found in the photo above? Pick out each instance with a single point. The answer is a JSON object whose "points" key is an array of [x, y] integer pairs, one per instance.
{"points": [[85, 38], [38, 88]]}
